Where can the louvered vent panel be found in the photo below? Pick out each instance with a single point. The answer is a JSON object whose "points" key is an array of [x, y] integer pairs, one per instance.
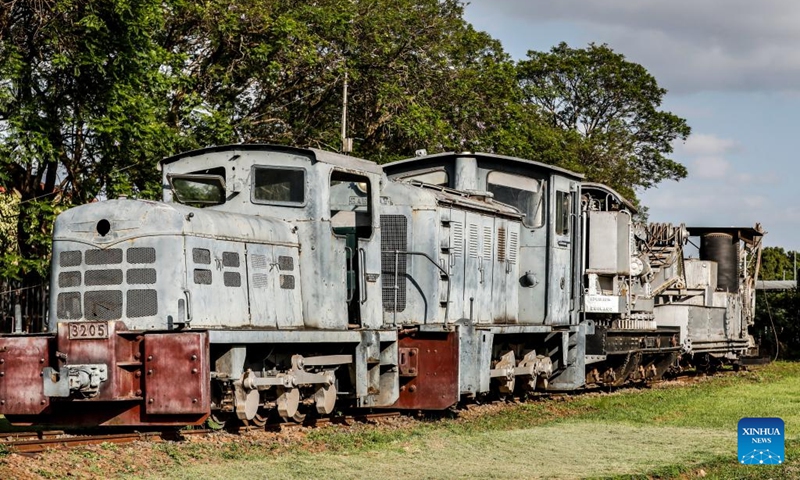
{"points": [[513, 247], [458, 238], [487, 243], [501, 244], [259, 262], [473, 241]]}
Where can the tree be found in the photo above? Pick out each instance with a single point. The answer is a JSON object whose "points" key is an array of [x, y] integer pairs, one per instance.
{"points": [[82, 98], [613, 104], [778, 312]]}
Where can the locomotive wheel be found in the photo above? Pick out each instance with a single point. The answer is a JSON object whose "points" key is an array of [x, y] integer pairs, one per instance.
{"points": [[217, 421], [260, 419], [325, 399], [288, 402], [299, 417]]}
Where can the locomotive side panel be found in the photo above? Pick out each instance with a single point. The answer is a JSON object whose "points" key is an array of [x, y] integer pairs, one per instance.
{"points": [[216, 283]]}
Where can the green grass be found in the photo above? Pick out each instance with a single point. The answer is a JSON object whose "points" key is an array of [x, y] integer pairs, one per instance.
{"points": [[673, 432], [647, 433]]}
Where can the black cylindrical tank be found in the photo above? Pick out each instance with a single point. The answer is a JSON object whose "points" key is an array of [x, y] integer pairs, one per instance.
{"points": [[723, 249]]}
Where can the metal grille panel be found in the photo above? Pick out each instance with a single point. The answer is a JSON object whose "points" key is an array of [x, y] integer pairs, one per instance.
{"points": [[103, 277], [141, 303], [111, 256], [394, 236], [230, 259], [232, 279], [260, 280], [141, 255], [69, 306], [259, 262], [103, 305], [287, 282], [69, 279], [286, 263], [201, 255], [71, 258], [141, 276], [202, 277]]}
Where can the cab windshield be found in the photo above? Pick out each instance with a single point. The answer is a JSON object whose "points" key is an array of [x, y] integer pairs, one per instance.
{"points": [[198, 190]]}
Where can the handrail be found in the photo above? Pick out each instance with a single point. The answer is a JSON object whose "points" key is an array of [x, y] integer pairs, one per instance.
{"points": [[349, 260], [397, 254]]}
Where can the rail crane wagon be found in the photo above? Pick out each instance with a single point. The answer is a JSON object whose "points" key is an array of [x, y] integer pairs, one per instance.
{"points": [[278, 280]]}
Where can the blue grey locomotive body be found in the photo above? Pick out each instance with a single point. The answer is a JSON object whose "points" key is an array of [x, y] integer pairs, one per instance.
{"points": [[286, 280]]}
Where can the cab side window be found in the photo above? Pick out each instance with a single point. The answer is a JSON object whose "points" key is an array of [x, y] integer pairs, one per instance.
{"points": [[563, 209], [351, 210], [524, 193], [281, 186]]}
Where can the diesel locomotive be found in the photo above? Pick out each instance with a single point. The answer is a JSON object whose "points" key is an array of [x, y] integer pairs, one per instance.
{"points": [[279, 281]]}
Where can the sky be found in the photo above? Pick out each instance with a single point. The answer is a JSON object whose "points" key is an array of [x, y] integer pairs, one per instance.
{"points": [[731, 69]]}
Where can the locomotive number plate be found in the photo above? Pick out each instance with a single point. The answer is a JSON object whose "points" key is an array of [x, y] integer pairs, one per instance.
{"points": [[82, 330]]}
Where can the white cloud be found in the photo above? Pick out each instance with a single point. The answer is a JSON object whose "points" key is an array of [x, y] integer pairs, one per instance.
{"points": [[689, 46], [702, 144], [709, 167]]}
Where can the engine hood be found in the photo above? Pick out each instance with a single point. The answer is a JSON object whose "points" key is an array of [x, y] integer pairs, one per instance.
{"points": [[113, 221]]}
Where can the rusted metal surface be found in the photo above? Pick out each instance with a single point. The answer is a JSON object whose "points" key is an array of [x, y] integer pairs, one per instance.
{"points": [[21, 362], [176, 373], [429, 371]]}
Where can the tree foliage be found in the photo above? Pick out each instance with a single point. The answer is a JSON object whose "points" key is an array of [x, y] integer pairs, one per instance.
{"points": [[778, 312], [613, 104], [94, 92]]}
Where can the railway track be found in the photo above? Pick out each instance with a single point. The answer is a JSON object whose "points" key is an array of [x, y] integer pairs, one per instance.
{"points": [[27, 443]]}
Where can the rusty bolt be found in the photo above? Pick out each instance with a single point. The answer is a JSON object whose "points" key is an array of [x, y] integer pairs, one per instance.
{"points": [[194, 357], [2, 374], [149, 358], [194, 400], [411, 353], [150, 401], [150, 372], [412, 388], [2, 361], [138, 393], [43, 402], [194, 370], [137, 355], [41, 360], [138, 374], [2, 402], [435, 351]]}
